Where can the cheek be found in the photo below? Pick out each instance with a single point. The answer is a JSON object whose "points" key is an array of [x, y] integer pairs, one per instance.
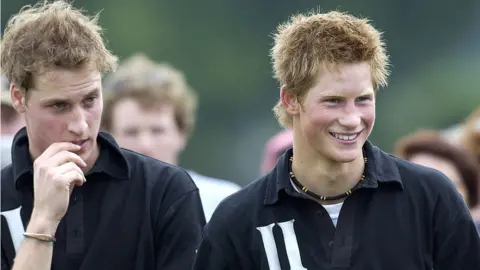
{"points": [[170, 141], [43, 122], [165, 140], [316, 121], [319, 116], [45, 128], [368, 116], [94, 115], [127, 141]]}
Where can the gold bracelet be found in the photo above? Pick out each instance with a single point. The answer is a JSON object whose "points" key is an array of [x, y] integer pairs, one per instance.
{"points": [[41, 237]]}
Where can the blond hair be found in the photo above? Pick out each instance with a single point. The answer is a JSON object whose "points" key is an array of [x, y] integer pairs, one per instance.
{"points": [[309, 44], [52, 35], [151, 85]]}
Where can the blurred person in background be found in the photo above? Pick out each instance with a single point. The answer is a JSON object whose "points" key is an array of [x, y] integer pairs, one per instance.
{"points": [[11, 122], [335, 200], [151, 109], [452, 133], [467, 135], [274, 148], [470, 134], [430, 149], [470, 138]]}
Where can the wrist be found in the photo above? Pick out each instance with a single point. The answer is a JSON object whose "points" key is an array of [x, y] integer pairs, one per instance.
{"points": [[39, 224]]}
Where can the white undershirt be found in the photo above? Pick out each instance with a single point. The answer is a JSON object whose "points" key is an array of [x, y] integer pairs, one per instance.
{"points": [[332, 209]]}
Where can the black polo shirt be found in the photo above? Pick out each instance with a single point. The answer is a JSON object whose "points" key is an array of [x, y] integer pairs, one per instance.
{"points": [[404, 216], [134, 212]]}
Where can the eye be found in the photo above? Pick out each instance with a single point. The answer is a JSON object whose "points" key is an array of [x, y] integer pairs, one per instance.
{"points": [[131, 132], [333, 100], [90, 101], [158, 130], [364, 98], [59, 106]]}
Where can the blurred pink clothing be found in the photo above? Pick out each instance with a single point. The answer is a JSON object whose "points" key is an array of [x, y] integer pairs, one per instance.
{"points": [[274, 148]]}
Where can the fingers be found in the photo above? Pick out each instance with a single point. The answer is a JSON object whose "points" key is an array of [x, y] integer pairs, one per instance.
{"points": [[73, 178], [65, 157], [58, 147], [69, 166]]}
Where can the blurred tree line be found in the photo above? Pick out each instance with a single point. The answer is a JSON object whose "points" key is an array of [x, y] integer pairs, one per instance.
{"points": [[222, 46]]}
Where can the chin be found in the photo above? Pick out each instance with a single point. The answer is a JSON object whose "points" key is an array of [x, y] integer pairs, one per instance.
{"points": [[346, 156], [85, 155], [344, 159], [87, 152]]}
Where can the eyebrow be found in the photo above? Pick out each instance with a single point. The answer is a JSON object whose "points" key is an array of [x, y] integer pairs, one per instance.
{"points": [[59, 100], [366, 92]]}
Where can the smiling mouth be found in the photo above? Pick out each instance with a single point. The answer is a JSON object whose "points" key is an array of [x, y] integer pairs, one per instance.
{"points": [[345, 137]]}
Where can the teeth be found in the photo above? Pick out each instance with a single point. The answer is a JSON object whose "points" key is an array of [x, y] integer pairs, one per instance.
{"points": [[345, 137]]}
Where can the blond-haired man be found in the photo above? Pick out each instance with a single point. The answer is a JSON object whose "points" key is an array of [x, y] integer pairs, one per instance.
{"points": [[334, 200]]}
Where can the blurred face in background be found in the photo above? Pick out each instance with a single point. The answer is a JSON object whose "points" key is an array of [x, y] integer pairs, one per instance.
{"points": [[149, 131]]}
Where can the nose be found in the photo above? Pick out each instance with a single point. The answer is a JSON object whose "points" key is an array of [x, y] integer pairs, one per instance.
{"points": [[78, 122], [145, 144], [351, 117]]}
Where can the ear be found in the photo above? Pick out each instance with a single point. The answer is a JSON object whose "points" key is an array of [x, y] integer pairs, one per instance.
{"points": [[289, 101], [18, 98]]}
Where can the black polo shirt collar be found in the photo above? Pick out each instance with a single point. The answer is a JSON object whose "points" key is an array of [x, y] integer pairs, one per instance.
{"points": [[380, 169], [111, 160]]}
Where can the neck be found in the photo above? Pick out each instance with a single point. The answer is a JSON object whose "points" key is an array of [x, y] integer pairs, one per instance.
{"points": [[322, 176], [172, 161], [92, 158]]}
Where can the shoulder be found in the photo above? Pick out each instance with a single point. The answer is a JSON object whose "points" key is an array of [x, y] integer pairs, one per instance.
{"points": [[422, 187], [430, 189], [418, 176], [7, 172], [159, 175], [231, 213], [141, 168], [9, 199], [388, 166]]}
